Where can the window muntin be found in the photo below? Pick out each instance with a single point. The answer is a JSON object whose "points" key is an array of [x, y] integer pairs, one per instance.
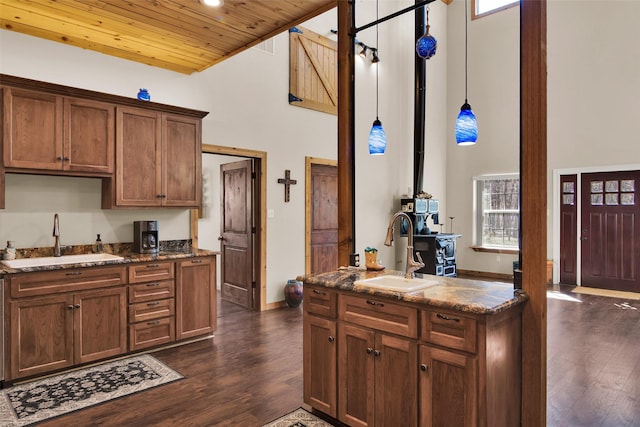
{"points": [[497, 210], [485, 7]]}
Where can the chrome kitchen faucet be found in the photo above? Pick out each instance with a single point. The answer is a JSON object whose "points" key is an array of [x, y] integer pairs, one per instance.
{"points": [[412, 265]]}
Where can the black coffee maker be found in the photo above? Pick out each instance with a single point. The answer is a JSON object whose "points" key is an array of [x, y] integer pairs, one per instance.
{"points": [[145, 237]]}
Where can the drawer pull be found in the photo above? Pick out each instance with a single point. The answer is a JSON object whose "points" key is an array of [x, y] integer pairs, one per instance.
{"points": [[153, 265], [424, 367], [379, 304], [317, 292], [332, 338], [443, 317], [196, 261], [74, 273], [155, 322], [152, 303], [153, 285]]}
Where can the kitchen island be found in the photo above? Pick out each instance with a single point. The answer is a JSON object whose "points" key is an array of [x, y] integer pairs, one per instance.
{"points": [[60, 316], [447, 354]]}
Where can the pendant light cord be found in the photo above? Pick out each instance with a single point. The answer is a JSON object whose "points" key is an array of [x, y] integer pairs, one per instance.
{"points": [[377, 47], [466, 37]]}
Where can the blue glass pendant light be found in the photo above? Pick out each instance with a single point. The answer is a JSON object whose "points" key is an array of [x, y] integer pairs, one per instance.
{"points": [[377, 137], [466, 123], [427, 44]]}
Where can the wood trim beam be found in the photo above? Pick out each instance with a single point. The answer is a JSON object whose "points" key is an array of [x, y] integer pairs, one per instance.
{"points": [[346, 131], [533, 220]]}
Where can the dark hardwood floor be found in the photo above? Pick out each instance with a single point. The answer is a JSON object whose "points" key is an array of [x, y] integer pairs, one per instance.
{"points": [[251, 372]]}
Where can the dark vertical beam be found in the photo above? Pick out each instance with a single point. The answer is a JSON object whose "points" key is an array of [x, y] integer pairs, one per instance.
{"points": [[419, 107], [346, 130], [533, 181]]}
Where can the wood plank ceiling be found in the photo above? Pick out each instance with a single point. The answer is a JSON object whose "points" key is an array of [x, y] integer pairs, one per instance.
{"points": [[179, 35]]}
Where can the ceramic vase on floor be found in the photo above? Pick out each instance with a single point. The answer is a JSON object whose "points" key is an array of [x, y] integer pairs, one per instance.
{"points": [[293, 293]]}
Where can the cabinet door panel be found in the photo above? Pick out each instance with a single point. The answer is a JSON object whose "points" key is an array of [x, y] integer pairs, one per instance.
{"points": [[41, 338], [138, 157], [195, 297], [320, 362], [32, 130], [181, 161], [396, 367], [355, 375], [89, 135], [447, 389], [100, 324]]}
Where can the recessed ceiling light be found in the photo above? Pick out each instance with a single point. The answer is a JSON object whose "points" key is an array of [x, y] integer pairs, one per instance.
{"points": [[213, 3]]}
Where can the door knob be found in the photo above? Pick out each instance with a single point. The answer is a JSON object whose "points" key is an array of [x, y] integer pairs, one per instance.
{"points": [[220, 238]]}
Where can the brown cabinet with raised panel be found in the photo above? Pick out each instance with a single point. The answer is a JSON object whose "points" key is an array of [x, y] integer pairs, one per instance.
{"points": [[61, 318], [54, 133], [151, 304], [158, 160], [195, 297]]}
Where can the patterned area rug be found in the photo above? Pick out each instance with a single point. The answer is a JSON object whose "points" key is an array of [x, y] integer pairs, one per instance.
{"points": [[299, 418], [39, 400]]}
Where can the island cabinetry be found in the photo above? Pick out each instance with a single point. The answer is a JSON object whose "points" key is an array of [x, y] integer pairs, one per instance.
{"points": [[377, 381], [320, 349], [195, 297], [470, 368], [158, 160], [61, 318], [151, 304], [49, 132]]}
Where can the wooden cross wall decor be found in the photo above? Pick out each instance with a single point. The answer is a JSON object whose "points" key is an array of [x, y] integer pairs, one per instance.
{"points": [[288, 182]]}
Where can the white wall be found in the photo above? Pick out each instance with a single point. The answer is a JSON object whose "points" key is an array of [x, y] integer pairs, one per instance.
{"points": [[246, 97], [593, 87]]}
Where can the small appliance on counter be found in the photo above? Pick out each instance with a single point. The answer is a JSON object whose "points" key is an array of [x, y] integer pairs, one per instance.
{"points": [[145, 237]]}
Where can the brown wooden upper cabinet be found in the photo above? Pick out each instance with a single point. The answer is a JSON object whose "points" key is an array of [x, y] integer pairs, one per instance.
{"points": [[50, 132], [158, 160]]}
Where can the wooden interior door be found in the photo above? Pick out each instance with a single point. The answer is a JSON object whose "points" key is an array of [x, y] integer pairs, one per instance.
{"points": [[322, 218], [610, 235], [236, 228], [568, 229]]}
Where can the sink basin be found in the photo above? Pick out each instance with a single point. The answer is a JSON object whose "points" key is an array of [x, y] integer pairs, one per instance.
{"points": [[66, 259], [396, 283]]}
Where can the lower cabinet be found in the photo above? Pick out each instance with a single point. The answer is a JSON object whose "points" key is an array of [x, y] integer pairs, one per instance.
{"points": [[195, 297], [374, 380], [58, 331], [320, 363]]}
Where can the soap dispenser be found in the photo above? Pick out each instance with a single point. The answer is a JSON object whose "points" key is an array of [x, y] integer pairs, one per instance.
{"points": [[98, 248]]}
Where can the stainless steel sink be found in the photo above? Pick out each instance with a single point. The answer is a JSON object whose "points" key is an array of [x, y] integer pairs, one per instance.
{"points": [[66, 259], [396, 283]]}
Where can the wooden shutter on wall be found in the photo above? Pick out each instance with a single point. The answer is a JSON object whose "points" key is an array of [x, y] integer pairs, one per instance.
{"points": [[313, 71]]}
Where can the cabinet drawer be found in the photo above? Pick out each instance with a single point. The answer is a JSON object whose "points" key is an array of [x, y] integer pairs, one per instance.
{"points": [[152, 271], [320, 301], [151, 333], [379, 314], [151, 310], [449, 330], [67, 280], [151, 291]]}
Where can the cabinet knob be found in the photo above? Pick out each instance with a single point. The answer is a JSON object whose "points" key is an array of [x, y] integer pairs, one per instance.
{"points": [[70, 307], [369, 350], [332, 338], [424, 367], [76, 306], [376, 353], [59, 158]]}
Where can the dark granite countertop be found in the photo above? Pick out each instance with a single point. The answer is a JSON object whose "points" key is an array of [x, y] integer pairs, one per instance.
{"points": [[129, 257], [466, 295]]}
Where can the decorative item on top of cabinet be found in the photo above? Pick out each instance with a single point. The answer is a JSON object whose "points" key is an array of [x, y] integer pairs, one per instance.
{"points": [[55, 133], [158, 161]]}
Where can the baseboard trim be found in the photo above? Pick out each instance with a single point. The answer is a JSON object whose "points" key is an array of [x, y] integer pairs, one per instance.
{"points": [[275, 305], [486, 275]]}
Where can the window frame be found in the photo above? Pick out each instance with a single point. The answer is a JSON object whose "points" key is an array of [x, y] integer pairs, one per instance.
{"points": [[479, 245], [476, 15]]}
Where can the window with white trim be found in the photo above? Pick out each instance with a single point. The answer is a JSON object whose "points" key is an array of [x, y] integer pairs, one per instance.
{"points": [[485, 7], [497, 199]]}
